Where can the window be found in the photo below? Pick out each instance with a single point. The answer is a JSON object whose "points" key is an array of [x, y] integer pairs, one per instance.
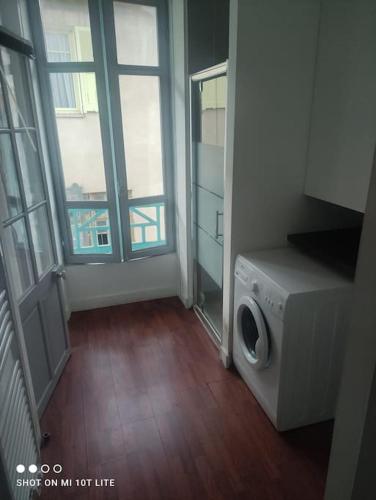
{"points": [[102, 239], [110, 119]]}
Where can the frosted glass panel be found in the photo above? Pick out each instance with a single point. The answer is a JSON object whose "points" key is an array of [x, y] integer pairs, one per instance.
{"points": [[209, 213], [210, 168], [209, 256]]}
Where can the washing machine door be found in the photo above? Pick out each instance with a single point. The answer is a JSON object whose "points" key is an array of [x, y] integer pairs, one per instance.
{"points": [[253, 333]]}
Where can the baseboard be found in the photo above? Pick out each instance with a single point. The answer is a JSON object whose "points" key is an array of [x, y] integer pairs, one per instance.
{"points": [[98, 301], [187, 302], [225, 357]]}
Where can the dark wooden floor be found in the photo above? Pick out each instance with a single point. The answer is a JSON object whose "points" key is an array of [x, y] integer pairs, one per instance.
{"points": [[145, 401]]}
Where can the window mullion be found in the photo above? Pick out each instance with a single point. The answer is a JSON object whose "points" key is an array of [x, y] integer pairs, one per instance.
{"points": [[71, 67], [125, 69], [114, 90], [96, 19]]}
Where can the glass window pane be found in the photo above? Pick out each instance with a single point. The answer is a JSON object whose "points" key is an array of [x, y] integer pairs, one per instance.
{"points": [[3, 116], [91, 231], [13, 16], [41, 239], [19, 257], [148, 226], [136, 34], [9, 189], [213, 111], [78, 126], [67, 34], [30, 167], [16, 81], [140, 105]]}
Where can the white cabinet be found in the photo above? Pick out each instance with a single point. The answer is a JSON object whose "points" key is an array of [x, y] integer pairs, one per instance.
{"points": [[343, 121]]}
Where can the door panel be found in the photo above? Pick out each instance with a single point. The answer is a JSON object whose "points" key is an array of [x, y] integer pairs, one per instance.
{"points": [[51, 312], [209, 108], [37, 353], [28, 242], [209, 213], [210, 168], [210, 256]]}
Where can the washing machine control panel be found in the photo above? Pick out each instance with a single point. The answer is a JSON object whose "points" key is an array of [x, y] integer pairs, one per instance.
{"points": [[273, 301], [268, 297], [242, 273]]}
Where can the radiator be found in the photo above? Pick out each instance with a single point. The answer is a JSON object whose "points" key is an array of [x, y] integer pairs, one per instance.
{"points": [[17, 438]]}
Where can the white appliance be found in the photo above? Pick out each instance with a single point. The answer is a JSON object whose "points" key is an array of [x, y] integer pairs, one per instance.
{"points": [[289, 332]]}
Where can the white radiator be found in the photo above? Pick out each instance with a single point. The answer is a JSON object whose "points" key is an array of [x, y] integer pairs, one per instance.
{"points": [[17, 438]]}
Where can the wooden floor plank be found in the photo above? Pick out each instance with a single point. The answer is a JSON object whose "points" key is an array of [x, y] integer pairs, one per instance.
{"points": [[145, 400]]}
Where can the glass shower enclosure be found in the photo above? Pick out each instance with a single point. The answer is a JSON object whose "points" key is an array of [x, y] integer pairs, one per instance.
{"points": [[208, 93]]}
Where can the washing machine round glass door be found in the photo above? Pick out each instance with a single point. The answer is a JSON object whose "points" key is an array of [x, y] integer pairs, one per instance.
{"points": [[253, 333]]}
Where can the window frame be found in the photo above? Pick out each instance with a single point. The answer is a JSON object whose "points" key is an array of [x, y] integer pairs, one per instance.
{"points": [[107, 71], [115, 70]]}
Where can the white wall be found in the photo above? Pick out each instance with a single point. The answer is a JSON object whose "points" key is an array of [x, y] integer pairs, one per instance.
{"points": [[271, 70], [101, 285], [180, 108]]}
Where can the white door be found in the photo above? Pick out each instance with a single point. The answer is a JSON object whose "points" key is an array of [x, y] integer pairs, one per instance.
{"points": [[30, 255]]}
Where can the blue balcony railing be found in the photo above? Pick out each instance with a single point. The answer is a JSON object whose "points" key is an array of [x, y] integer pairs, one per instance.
{"points": [[141, 241], [91, 231]]}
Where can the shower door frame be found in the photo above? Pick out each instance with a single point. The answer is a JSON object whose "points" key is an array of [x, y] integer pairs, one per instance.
{"points": [[195, 79]]}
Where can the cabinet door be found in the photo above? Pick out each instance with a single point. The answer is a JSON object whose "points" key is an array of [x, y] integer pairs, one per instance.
{"points": [[343, 123]]}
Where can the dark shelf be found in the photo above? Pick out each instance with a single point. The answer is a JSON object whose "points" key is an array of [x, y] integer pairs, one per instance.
{"points": [[338, 248]]}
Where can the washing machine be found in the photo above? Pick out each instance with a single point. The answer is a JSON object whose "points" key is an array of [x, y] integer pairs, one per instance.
{"points": [[290, 316]]}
